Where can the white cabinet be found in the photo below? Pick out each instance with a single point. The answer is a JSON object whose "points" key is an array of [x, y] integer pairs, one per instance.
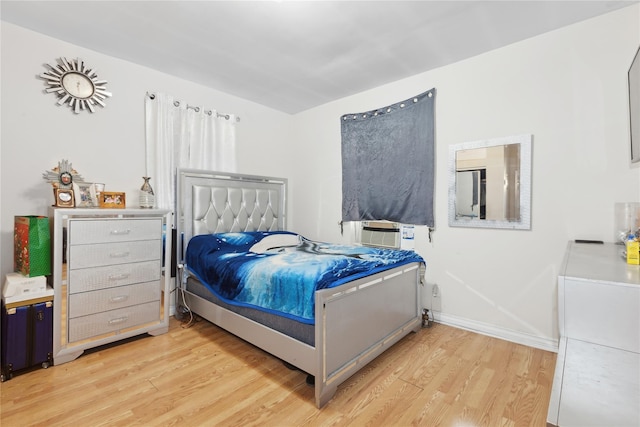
{"points": [[597, 376], [108, 276]]}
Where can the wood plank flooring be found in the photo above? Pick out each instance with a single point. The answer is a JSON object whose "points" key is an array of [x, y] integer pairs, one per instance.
{"points": [[204, 376]]}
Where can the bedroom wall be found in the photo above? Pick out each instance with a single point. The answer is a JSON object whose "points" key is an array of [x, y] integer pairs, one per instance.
{"points": [[107, 146], [568, 88]]}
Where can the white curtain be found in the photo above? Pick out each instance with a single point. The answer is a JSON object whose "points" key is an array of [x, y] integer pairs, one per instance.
{"points": [[182, 136]]}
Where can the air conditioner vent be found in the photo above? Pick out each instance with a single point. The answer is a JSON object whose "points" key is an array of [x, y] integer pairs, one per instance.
{"points": [[380, 233]]}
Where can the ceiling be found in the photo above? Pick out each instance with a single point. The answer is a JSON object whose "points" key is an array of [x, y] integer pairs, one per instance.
{"points": [[296, 55]]}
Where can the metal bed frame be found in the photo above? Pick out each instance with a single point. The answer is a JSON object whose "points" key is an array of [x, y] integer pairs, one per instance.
{"points": [[355, 322]]}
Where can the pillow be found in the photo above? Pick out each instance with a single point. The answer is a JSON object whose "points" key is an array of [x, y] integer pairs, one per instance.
{"points": [[275, 241]]}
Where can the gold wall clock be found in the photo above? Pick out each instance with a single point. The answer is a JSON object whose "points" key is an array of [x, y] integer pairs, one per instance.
{"points": [[76, 84]]}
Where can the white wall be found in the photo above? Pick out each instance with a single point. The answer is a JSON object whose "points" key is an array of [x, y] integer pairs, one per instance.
{"points": [[107, 146], [568, 88]]}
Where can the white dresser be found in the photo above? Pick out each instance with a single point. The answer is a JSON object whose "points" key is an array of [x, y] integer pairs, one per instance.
{"points": [[597, 377], [108, 276]]}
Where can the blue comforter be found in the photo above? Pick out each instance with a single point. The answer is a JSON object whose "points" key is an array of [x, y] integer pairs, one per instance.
{"points": [[279, 272]]}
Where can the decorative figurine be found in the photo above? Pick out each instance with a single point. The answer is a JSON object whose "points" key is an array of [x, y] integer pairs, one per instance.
{"points": [[62, 178], [147, 198]]}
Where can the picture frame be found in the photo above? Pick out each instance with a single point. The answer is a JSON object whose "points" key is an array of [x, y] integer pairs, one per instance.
{"points": [[64, 198], [112, 199], [85, 194]]}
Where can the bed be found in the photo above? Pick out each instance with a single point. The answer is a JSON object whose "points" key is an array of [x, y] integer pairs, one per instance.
{"points": [[352, 321]]}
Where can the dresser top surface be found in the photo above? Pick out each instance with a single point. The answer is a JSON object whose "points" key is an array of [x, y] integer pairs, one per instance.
{"points": [[600, 262], [104, 212]]}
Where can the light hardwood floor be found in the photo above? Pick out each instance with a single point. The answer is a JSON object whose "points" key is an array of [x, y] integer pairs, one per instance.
{"points": [[204, 376]]}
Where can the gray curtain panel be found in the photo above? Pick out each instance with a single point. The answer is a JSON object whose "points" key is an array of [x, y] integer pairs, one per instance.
{"points": [[388, 162]]}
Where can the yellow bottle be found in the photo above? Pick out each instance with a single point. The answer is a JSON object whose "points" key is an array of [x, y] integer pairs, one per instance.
{"points": [[633, 250]]}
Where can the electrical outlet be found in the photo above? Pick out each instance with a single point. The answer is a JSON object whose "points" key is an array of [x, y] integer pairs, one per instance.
{"points": [[434, 290]]}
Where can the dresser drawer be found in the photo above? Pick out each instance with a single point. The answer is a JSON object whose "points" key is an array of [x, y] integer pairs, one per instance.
{"points": [[91, 279], [83, 232], [85, 327], [86, 303], [619, 328], [84, 256]]}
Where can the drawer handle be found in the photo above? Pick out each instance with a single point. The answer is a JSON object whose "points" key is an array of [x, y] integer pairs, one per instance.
{"points": [[120, 232], [118, 276], [119, 298], [118, 320], [119, 254]]}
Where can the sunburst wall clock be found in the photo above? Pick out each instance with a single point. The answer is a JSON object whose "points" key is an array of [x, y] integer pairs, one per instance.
{"points": [[75, 84]]}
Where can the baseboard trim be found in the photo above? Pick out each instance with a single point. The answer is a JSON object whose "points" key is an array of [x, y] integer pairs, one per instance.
{"points": [[496, 332]]}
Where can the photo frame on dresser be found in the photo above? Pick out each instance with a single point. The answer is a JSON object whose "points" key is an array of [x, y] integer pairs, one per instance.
{"points": [[85, 195], [112, 199], [64, 198]]}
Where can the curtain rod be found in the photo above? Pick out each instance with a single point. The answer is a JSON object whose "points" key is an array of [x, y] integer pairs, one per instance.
{"points": [[197, 109]]}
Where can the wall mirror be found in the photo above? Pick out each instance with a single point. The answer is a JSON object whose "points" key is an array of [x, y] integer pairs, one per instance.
{"points": [[490, 183]]}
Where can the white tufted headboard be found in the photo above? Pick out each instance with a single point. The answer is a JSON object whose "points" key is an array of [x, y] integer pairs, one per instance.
{"points": [[219, 202]]}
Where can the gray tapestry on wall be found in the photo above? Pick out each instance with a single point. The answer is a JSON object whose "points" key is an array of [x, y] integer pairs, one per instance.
{"points": [[388, 162]]}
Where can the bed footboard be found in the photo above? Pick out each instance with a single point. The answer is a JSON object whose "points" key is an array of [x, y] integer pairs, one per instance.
{"points": [[358, 321], [355, 323]]}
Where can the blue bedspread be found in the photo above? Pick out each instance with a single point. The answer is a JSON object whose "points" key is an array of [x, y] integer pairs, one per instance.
{"points": [[279, 272]]}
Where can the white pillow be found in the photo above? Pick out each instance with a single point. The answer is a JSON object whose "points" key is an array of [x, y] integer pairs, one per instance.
{"points": [[275, 241]]}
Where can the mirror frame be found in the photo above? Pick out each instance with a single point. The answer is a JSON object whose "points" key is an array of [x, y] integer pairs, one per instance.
{"points": [[525, 142], [634, 107]]}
